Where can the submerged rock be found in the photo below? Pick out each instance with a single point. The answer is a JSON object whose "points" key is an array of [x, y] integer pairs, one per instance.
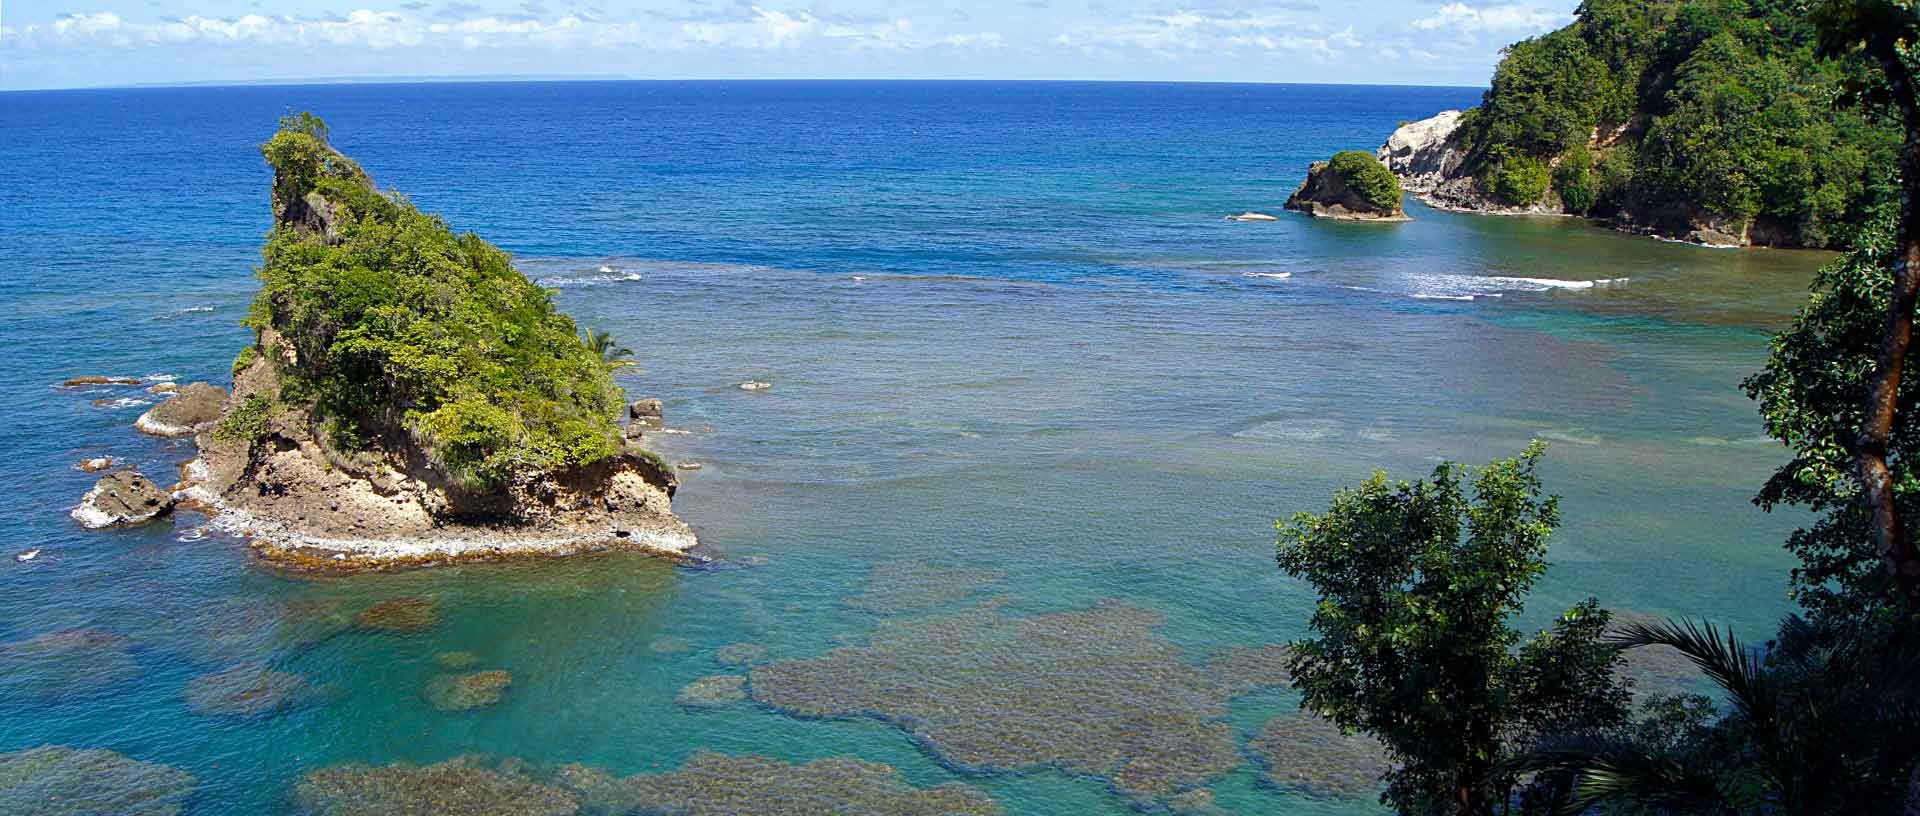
{"points": [[194, 408], [907, 586], [120, 499], [457, 787], [739, 654], [96, 379], [64, 665], [55, 780], [713, 784], [712, 692], [457, 661], [465, 692], [248, 691], [670, 644], [404, 615], [1095, 691], [1307, 752]]}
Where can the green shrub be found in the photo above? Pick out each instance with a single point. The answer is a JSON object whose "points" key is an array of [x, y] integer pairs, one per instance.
{"points": [[244, 359], [246, 422], [1573, 178], [406, 332], [1518, 179], [1365, 175]]}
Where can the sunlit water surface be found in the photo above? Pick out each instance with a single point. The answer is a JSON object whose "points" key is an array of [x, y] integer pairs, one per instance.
{"points": [[1007, 330]]}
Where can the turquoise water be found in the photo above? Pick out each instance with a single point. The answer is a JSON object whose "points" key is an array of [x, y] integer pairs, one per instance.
{"points": [[1007, 330]]}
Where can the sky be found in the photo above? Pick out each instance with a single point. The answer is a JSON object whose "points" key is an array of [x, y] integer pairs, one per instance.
{"points": [[83, 43]]}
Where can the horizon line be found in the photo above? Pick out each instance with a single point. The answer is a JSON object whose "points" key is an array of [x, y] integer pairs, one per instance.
{"points": [[504, 79]]}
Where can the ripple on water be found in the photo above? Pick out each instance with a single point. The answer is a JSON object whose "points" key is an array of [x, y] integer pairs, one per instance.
{"points": [[1097, 692]]}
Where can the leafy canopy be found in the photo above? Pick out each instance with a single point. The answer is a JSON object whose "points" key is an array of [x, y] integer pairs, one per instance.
{"points": [[1365, 175], [1711, 106], [403, 332], [1417, 583]]}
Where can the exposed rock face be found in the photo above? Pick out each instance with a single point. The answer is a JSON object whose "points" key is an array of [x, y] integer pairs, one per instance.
{"points": [[122, 498], [1326, 195], [1419, 152], [194, 408], [1431, 166]]}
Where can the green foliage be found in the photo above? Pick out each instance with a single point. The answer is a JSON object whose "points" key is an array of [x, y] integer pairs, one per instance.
{"points": [[245, 359], [1517, 178], [1821, 722], [1411, 643], [1724, 109], [1574, 178], [406, 331], [246, 422], [1365, 175], [611, 354], [1811, 394]]}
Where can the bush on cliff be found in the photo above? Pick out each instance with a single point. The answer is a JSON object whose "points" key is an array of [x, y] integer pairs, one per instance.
{"points": [[406, 333], [1365, 175]]}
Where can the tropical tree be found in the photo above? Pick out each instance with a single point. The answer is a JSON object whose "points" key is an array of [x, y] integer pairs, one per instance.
{"points": [[1885, 33], [1412, 643], [611, 354], [1823, 721]]}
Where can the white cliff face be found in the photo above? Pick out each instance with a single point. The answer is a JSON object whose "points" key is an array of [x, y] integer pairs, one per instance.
{"points": [[1418, 152]]}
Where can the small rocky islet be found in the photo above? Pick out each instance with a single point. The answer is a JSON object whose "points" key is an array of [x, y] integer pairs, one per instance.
{"points": [[311, 455]]}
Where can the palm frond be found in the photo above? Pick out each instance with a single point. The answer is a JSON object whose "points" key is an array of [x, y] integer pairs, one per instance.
{"points": [[1608, 769], [1733, 667]]}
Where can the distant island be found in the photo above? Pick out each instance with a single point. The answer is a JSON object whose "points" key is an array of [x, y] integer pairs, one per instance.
{"points": [[410, 398], [1700, 121]]}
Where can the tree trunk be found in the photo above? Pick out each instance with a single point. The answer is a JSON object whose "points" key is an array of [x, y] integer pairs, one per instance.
{"points": [[1870, 447]]}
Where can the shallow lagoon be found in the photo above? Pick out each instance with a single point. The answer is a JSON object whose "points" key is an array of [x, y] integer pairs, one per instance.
{"points": [[1018, 359]]}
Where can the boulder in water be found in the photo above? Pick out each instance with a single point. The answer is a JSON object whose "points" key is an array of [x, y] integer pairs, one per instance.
{"points": [[195, 408], [1352, 186], [120, 499]]}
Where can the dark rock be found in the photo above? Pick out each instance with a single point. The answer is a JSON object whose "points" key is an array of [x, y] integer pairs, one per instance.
{"points": [[122, 498], [95, 379], [1326, 195], [195, 408]]}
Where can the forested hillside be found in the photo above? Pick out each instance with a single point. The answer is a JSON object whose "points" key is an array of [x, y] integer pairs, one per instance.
{"points": [[1682, 116]]}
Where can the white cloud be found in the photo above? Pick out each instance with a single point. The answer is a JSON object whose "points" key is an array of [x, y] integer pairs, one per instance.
{"points": [[1509, 20]]}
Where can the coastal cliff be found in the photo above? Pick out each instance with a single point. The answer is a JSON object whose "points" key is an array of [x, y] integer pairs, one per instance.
{"points": [[1702, 122], [410, 398]]}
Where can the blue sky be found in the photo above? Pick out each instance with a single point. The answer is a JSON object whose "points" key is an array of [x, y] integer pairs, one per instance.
{"points": [[70, 43]]}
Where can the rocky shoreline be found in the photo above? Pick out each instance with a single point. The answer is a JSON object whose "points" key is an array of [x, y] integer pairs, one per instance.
{"points": [[1431, 166]]}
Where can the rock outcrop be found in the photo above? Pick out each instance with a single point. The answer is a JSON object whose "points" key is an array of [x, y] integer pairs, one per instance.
{"points": [[399, 487], [1431, 165], [1335, 189], [190, 410], [121, 499]]}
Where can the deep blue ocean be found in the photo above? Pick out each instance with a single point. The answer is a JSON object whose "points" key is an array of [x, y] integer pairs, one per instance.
{"points": [[1022, 369]]}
